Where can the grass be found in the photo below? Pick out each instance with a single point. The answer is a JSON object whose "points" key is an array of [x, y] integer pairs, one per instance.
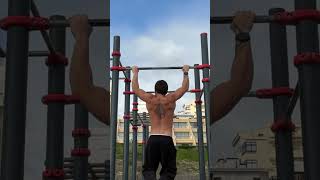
{"points": [[185, 153]]}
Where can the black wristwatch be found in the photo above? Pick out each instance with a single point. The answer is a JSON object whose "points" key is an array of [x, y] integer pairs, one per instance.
{"points": [[185, 73], [243, 37]]}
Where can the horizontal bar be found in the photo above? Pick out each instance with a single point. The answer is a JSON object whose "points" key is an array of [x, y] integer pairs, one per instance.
{"points": [[92, 22], [39, 53], [31, 53], [229, 19], [170, 91], [161, 68]]}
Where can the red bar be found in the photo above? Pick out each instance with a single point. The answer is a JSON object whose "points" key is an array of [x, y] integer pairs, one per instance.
{"points": [[60, 98], [273, 92], [307, 58], [80, 152], [81, 132], [32, 23], [56, 59], [282, 125], [116, 54]]}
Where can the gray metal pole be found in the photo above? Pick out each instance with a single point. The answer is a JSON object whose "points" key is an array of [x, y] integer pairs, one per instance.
{"points": [[55, 113], [114, 108], [135, 139], [202, 166], [81, 134], [126, 128], [144, 136], [12, 162], [280, 78], [309, 78], [206, 90]]}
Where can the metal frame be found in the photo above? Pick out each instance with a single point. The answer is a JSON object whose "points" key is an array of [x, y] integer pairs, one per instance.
{"points": [[12, 164], [202, 167], [126, 128], [55, 110], [17, 53], [280, 78], [309, 78], [80, 170], [134, 138]]}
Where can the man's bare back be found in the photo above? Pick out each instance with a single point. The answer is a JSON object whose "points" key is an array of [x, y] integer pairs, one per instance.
{"points": [[161, 110]]}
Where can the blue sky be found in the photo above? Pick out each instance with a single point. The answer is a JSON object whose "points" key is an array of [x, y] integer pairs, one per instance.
{"points": [[141, 14], [160, 33]]}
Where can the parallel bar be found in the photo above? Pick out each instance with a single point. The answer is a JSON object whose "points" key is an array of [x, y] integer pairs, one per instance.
{"points": [[92, 22], [280, 78], [309, 78], [202, 166], [55, 112], [114, 109], [170, 91], [144, 138], [80, 170], [228, 19], [206, 87], [30, 54], [293, 100], [44, 33], [38, 53], [134, 140], [161, 68], [12, 162], [126, 130]]}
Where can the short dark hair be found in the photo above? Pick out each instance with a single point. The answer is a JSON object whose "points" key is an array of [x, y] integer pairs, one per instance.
{"points": [[161, 87]]}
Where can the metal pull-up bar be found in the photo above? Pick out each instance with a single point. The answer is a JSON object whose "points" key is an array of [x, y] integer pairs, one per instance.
{"points": [[92, 22], [228, 19]]}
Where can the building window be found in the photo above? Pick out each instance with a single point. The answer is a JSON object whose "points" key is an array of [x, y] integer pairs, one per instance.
{"points": [[120, 135], [251, 163], [193, 124], [180, 124], [250, 147], [182, 135]]}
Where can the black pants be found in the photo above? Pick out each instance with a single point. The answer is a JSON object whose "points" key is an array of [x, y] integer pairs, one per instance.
{"points": [[160, 149]]}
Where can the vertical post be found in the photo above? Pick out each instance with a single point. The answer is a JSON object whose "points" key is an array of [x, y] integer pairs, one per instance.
{"points": [[144, 137], [126, 127], [280, 78], [12, 162], [55, 113], [206, 89], [309, 78], [202, 169], [135, 139], [114, 107], [80, 168]]}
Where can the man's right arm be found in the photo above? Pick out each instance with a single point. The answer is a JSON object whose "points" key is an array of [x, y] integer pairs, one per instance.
{"points": [[95, 99], [226, 95]]}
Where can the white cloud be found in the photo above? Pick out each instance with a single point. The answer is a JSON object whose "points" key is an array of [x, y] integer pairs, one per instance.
{"points": [[173, 42]]}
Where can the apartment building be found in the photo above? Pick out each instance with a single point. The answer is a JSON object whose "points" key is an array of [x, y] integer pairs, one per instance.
{"points": [[255, 151], [184, 131]]}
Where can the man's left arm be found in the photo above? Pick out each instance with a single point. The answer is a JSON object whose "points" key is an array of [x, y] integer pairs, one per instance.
{"points": [[135, 86]]}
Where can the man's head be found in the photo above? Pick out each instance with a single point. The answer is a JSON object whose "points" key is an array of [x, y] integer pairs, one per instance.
{"points": [[161, 87]]}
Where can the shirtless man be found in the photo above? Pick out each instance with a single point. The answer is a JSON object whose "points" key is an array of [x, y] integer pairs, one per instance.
{"points": [[160, 147], [161, 105]]}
